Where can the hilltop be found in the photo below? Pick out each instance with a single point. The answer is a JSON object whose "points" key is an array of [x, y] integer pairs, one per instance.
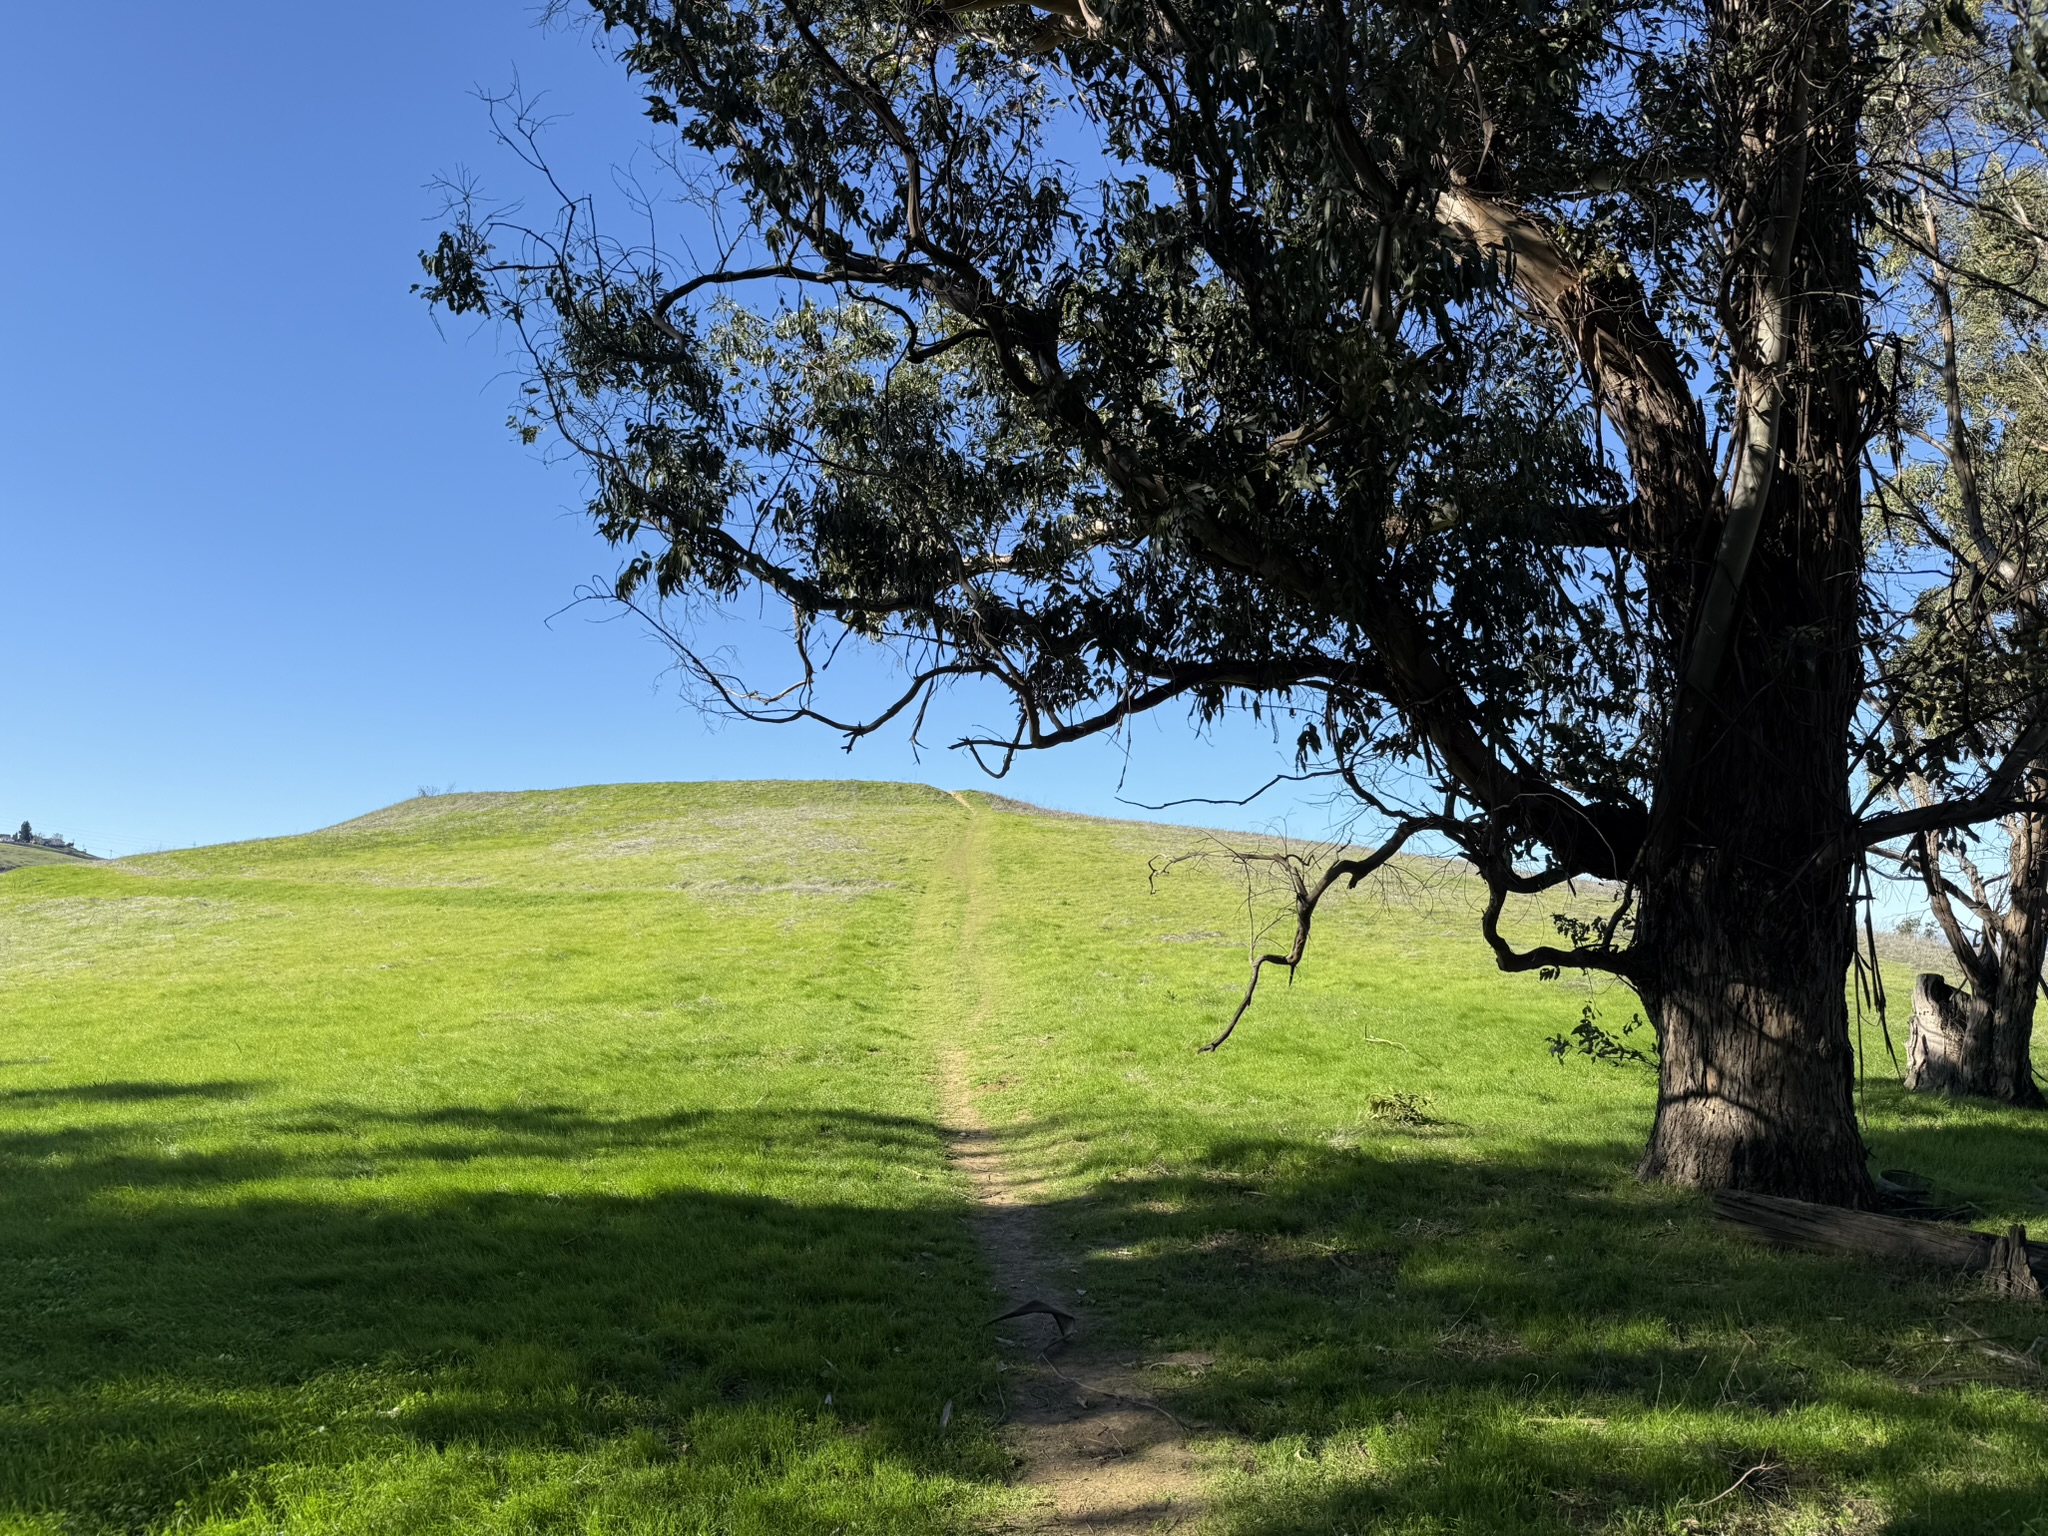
{"points": [[15, 855], [613, 1159]]}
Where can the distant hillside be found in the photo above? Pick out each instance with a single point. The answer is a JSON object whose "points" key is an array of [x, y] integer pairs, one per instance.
{"points": [[15, 855]]}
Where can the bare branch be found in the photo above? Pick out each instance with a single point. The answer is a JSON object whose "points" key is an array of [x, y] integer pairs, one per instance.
{"points": [[1308, 895], [723, 276], [1548, 957], [1995, 798]]}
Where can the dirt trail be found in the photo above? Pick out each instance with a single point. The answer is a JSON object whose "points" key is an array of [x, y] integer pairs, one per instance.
{"points": [[1101, 1454]]}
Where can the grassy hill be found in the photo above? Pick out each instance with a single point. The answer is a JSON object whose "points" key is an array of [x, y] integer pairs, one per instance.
{"points": [[15, 855], [573, 1161]]}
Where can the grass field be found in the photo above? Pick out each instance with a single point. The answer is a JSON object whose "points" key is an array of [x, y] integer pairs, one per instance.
{"points": [[15, 855], [571, 1162]]}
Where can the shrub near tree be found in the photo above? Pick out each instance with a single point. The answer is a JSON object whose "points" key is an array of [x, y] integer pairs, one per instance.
{"points": [[1486, 387]]}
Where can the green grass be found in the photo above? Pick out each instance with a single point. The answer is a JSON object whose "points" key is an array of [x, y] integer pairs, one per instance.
{"points": [[541, 1163], [15, 855]]}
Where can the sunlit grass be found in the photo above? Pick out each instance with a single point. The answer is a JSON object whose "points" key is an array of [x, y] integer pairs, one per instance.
{"points": [[1436, 1296], [442, 1174], [572, 1161]]}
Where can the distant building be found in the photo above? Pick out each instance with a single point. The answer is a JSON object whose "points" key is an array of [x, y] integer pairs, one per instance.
{"points": [[30, 838]]}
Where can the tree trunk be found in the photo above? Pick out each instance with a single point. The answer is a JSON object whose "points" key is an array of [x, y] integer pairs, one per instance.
{"points": [[1744, 935], [2010, 1078], [1756, 1079], [2023, 937], [1965, 1044], [1745, 931]]}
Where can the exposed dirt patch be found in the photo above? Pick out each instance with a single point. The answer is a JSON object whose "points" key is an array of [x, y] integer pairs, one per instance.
{"points": [[1101, 1452]]}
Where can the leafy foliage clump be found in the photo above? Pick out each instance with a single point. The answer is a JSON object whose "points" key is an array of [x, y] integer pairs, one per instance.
{"points": [[1589, 1037]]}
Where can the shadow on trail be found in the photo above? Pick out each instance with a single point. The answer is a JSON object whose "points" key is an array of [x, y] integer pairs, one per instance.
{"points": [[1422, 1341], [1414, 1339]]}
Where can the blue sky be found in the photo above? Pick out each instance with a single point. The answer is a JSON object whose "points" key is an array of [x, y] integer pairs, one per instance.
{"points": [[272, 558]]}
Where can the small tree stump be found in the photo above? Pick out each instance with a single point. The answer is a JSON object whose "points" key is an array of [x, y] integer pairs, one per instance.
{"points": [[1937, 1049], [2009, 1272]]}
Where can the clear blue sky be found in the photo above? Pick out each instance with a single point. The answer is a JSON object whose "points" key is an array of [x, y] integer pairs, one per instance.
{"points": [[271, 557]]}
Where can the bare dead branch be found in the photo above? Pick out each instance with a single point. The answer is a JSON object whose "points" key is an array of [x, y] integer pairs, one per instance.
{"points": [[1308, 895]]}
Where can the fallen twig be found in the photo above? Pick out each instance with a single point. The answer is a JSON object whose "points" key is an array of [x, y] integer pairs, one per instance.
{"points": [[1762, 1466]]}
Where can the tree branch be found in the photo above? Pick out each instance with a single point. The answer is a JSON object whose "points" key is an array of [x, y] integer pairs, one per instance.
{"points": [[1996, 798], [1547, 957], [1307, 897]]}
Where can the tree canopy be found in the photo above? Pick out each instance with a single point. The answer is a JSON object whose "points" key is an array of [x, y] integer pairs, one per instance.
{"points": [[1489, 386]]}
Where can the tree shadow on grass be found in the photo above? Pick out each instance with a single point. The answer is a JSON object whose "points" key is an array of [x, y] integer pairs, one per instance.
{"points": [[321, 1316], [1422, 1341], [125, 1092], [1991, 1154], [194, 1334]]}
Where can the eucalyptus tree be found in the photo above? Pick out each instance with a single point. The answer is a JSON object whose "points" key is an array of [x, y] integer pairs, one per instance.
{"points": [[1967, 676], [1484, 386]]}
